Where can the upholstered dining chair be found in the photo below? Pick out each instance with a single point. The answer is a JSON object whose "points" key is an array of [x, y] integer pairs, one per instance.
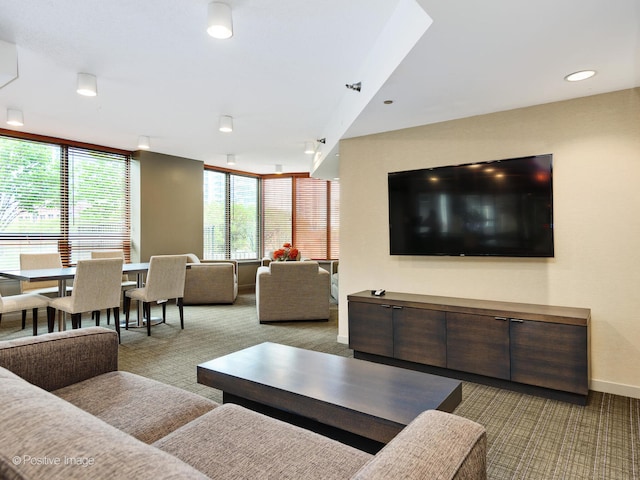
{"points": [[165, 281], [24, 302], [96, 287], [126, 281], [37, 261]]}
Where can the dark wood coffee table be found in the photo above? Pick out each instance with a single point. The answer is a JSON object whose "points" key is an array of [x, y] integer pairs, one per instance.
{"points": [[361, 403]]}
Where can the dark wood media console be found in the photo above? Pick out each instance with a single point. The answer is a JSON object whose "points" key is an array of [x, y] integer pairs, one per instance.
{"points": [[537, 349]]}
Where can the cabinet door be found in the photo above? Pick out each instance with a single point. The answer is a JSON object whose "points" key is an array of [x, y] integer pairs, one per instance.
{"points": [[371, 328], [419, 336], [550, 355], [478, 344]]}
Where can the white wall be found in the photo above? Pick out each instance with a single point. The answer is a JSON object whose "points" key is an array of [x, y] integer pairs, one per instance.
{"points": [[595, 142]]}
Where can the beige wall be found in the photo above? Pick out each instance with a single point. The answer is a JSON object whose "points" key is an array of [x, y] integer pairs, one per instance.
{"points": [[168, 218], [595, 142]]}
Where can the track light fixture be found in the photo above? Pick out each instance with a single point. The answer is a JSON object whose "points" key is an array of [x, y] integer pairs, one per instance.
{"points": [[354, 86], [322, 140]]}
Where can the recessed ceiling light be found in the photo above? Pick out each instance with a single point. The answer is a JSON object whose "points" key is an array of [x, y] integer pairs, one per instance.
{"points": [[581, 75], [388, 102]]}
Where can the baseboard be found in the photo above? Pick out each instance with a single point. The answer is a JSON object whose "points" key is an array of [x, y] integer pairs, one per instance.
{"points": [[632, 391], [343, 339]]}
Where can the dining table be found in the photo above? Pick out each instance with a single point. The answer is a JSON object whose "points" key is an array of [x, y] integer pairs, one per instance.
{"points": [[62, 275]]}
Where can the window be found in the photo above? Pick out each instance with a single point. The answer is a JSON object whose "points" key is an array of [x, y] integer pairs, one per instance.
{"points": [[230, 216], [59, 198], [302, 210]]}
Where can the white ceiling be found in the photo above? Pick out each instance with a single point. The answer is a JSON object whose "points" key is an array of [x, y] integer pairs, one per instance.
{"points": [[282, 75]]}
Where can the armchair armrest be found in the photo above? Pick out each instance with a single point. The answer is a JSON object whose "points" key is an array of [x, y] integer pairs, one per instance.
{"points": [[435, 445], [56, 360]]}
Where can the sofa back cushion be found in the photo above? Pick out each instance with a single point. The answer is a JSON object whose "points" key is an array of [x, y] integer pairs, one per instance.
{"points": [[42, 436], [58, 359]]}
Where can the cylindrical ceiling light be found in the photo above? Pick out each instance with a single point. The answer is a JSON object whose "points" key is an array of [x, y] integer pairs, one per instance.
{"points": [[220, 23], [87, 85], [144, 143], [278, 168], [226, 124], [309, 148], [14, 117], [231, 159]]}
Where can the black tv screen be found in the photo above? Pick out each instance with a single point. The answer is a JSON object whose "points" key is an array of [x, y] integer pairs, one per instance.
{"points": [[500, 208]]}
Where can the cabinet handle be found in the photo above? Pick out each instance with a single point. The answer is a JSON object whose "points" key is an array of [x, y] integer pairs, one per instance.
{"points": [[502, 319], [397, 307], [517, 320], [384, 305]]}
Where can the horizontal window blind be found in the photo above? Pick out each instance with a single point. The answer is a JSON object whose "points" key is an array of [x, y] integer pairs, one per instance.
{"points": [[243, 217], [56, 198], [310, 234], [277, 214], [30, 203], [230, 216], [304, 211], [216, 214], [97, 200], [334, 220]]}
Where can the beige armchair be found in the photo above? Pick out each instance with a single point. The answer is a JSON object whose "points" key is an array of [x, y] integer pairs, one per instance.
{"points": [[287, 291], [210, 281], [335, 290]]}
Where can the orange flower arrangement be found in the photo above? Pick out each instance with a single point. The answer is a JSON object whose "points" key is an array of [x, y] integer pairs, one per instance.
{"points": [[287, 252]]}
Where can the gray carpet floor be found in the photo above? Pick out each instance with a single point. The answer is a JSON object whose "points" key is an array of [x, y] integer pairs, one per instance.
{"points": [[528, 437]]}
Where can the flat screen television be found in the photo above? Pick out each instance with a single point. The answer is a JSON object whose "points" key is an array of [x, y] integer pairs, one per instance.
{"points": [[499, 208]]}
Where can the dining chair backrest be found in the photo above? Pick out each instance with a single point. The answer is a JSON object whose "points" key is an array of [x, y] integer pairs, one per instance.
{"points": [[36, 261], [97, 285], [165, 279], [110, 254]]}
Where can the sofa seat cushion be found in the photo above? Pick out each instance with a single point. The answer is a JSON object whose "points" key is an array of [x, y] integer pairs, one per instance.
{"points": [[139, 406], [232, 442], [42, 436]]}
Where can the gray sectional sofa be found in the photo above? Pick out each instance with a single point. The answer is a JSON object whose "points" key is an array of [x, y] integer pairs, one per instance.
{"points": [[66, 412]]}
